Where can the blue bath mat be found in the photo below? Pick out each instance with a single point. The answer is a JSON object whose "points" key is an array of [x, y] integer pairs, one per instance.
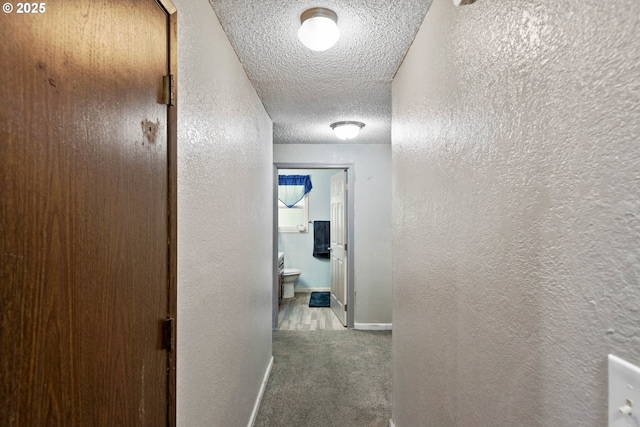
{"points": [[320, 299]]}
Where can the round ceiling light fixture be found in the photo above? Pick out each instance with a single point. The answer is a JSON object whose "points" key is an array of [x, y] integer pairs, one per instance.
{"points": [[347, 130], [319, 30]]}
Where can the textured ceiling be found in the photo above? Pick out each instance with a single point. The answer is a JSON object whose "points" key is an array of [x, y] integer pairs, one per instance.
{"points": [[305, 91]]}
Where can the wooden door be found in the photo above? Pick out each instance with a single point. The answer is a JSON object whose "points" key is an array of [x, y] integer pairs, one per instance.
{"points": [[84, 196], [338, 247]]}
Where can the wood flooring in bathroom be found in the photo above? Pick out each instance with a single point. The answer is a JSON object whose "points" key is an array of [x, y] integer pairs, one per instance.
{"points": [[296, 315]]}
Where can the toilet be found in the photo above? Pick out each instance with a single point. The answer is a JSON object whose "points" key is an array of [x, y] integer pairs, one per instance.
{"points": [[290, 276]]}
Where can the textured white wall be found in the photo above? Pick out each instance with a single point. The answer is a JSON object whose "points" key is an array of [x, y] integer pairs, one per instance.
{"points": [[298, 247], [224, 227], [516, 212], [372, 246]]}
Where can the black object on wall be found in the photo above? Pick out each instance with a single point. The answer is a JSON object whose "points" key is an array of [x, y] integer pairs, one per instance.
{"points": [[321, 238]]}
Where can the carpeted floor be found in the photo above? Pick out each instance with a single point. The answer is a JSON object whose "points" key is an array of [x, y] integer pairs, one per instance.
{"points": [[328, 378]]}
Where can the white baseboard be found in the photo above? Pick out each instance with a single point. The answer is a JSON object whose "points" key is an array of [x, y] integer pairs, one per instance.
{"points": [[312, 289], [256, 407], [373, 326], [391, 424]]}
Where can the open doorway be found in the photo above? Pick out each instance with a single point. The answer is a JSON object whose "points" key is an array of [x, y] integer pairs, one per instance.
{"points": [[298, 239]]}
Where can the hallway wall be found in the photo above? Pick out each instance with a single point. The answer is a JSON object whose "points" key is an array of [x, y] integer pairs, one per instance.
{"points": [[516, 216], [224, 236], [372, 246]]}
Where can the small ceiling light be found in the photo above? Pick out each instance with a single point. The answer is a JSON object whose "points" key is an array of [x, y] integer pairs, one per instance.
{"points": [[319, 30], [347, 130]]}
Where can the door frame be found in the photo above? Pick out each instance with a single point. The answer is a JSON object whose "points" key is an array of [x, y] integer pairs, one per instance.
{"points": [[349, 168], [172, 201]]}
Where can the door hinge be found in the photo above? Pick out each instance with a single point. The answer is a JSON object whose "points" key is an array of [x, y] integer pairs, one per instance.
{"points": [[167, 334], [345, 307], [168, 89], [345, 246]]}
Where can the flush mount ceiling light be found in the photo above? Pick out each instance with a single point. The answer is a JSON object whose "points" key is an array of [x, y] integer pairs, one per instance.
{"points": [[319, 30], [347, 130]]}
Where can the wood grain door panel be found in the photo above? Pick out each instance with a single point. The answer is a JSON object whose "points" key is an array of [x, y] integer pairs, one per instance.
{"points": [[83, 215]]}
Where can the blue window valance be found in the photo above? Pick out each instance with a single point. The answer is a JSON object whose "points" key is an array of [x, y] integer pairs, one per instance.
{"points": [[292, 188]]}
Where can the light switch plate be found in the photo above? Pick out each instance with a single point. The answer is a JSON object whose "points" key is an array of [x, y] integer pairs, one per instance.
{"points": [[624, 393]]}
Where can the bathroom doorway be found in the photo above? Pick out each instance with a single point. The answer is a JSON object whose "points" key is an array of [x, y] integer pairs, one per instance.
{"points": [[315, 279]]}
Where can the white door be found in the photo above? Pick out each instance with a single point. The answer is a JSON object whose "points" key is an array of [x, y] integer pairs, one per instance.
{"points": [[338, 247]]}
